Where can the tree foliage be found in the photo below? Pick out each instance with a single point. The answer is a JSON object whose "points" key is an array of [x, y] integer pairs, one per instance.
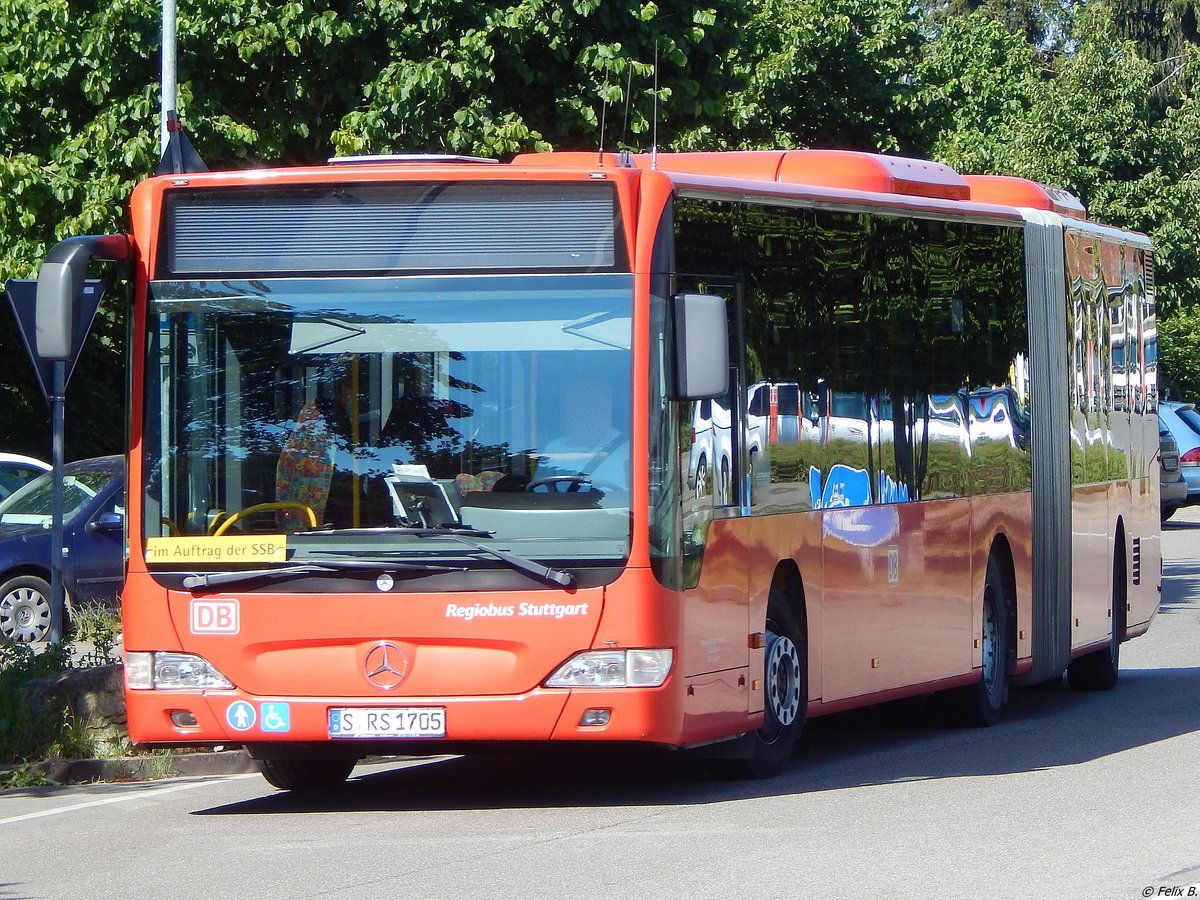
{"points": [[1179, 348], [286, 83], [1096, 99], [825, 73], [1095, 121]]}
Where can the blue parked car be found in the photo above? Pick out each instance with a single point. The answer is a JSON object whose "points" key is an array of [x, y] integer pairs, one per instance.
{"points": [[93, 544]]}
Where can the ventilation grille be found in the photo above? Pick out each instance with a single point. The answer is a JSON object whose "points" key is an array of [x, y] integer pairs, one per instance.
{"points": [[1137, 561], [1150, 276], [391, 228]]}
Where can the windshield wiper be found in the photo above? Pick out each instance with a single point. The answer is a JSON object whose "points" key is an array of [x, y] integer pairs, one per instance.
{"points": [[419, 531], [459, 534], [208, 579], [520, 563]]}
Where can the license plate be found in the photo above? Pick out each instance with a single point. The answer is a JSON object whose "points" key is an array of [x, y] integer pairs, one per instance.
{"points": [[388, 722]]}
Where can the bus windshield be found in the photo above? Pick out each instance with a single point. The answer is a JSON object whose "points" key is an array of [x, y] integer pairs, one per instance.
{"points": [[368, 413]]}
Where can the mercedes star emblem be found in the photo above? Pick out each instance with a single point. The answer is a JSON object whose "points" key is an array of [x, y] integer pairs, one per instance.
{"points": [[385, 666]]}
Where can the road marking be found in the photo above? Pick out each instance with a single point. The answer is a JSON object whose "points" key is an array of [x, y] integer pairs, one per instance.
{"points": [[138, 795]]}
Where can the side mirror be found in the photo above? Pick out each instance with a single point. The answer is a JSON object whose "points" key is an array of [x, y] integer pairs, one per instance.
{"points": [[701, 348], [60, 290], [106, 523]]}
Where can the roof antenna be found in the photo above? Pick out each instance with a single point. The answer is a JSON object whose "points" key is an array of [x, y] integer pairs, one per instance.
{"points": [[628, 97], [654, 132], [603, 116]]}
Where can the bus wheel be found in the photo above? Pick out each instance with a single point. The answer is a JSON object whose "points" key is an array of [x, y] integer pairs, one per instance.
{"points": [[979, 704], [306, 774], [1098, 670], [785, 701]]}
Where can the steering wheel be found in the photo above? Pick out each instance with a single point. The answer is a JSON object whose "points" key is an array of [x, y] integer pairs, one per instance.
{"points": [[559, 484], [263, 507]]}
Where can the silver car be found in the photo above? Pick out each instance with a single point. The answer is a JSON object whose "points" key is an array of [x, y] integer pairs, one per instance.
{"points": [[1173, 490], [16, 471], [1183, 422]]}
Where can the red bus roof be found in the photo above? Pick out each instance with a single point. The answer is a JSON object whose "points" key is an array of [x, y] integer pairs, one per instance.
{"points": [[846, 169]]}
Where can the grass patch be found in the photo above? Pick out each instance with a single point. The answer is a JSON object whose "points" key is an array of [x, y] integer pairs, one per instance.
{"points": [[98, 624], [31, 731], [28, 731]]}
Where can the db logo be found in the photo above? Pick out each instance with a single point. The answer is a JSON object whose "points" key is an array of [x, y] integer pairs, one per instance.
{"points": [[215, 617]]}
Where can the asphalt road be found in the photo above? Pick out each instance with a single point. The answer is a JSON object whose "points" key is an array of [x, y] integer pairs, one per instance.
{"points": [[1071, 796]]}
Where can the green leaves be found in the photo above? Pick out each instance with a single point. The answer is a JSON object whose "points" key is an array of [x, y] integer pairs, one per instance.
{"points": [[1012, 87], [831, 73], [1094, 121]]}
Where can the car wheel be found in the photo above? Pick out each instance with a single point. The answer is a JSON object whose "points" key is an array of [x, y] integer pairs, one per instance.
{"points": [[702, 486], [753, 473], [25, 609]]}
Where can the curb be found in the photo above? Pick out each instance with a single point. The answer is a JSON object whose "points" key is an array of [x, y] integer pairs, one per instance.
{"points": [[146, 768]]}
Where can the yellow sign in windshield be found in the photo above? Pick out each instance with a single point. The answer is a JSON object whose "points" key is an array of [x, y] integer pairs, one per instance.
{"points": [[241, 548]]}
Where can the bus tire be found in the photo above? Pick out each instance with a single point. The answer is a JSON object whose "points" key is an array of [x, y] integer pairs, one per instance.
{"points": [[765, 752], [978, 705], [306, 774], [1098, 670]]}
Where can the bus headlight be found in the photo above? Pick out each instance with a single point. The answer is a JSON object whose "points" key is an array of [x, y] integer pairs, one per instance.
{"points": [[613, 668], [172, 672]]}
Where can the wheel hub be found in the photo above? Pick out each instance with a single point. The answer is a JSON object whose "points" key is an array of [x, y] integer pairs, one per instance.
{"points": [[25, 615], [783, 679], [990, 649]]}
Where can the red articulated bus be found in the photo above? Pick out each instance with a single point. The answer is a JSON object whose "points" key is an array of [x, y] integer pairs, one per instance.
{"points": [[413, 464]]}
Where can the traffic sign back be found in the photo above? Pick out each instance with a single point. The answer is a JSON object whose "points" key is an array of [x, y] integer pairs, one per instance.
{"points": [[22, 297]]}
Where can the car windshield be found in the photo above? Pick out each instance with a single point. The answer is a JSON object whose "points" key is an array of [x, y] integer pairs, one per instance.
{"points": [[33, 504], [15, 474], [355, 415]]}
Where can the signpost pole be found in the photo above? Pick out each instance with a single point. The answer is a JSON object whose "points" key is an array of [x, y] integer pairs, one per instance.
{"points": [[53, 336], [168, 68]]}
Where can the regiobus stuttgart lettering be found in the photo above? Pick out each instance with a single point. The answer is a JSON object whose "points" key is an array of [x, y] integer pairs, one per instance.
{"points": [[524, 610]]}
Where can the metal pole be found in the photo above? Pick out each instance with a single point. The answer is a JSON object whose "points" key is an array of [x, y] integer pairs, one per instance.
{"points": [[58, 421], [168, 68]]}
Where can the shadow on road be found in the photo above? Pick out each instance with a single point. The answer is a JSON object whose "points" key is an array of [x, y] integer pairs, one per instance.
{"points": [[1042, 729], [1181, 525], [1181, 587]]}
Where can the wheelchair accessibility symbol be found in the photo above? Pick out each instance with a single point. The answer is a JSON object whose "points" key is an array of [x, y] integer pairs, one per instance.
{"points": [[276, 717]]}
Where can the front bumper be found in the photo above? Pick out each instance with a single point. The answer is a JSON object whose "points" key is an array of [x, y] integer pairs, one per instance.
{"points": [[1173, 493], [643, 715]]}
